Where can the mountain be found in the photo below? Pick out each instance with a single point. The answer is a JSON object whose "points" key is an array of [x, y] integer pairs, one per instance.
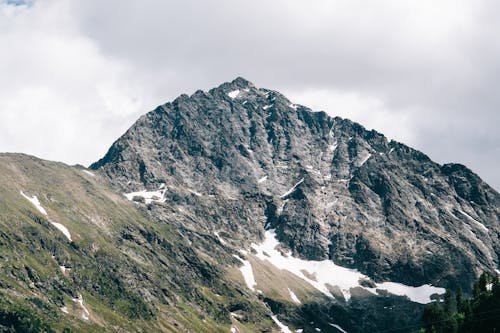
{"points": [[363, 202], [237, 210]]}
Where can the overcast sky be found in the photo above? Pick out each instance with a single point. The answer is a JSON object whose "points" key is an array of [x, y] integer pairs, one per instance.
{"points": [[74, 75]]}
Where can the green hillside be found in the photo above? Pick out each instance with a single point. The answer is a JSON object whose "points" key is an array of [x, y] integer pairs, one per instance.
{"points": [[130, 273]]}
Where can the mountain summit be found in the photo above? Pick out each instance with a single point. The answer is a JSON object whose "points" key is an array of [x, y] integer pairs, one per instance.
{"points": [[236, 210], [330, 188]]}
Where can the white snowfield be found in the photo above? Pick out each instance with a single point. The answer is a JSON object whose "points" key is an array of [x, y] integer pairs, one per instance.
{"points": [[332, 148], [322, 274], [89, 173], [216, 233], [198, 194], [247, 272], [85, 313], [476, 222], [63, 229], [283, 327], [233, 94], [364, 159], [292, 189], [149, 196], [293, 296], [34, 200], [338, 327]]}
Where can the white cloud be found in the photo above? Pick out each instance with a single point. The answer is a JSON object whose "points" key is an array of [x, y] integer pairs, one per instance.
{"points": [[368, 110], [58, 91], [77, 73]]}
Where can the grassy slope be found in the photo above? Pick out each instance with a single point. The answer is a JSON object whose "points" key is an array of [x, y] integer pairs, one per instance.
{"points": [[130, 270]]}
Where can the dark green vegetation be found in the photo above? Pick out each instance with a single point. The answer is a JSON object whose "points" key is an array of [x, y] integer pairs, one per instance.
{"points": [[16, 318], [457, 314]]}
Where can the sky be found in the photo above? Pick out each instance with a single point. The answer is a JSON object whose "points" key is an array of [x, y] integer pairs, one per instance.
{"points": [[75, 75]]}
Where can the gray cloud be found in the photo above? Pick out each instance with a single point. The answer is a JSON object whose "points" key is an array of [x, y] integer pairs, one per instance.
{"points": [[422, 72]]}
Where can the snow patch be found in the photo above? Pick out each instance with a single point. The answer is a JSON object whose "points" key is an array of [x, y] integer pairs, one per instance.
{"points": [[223, 242], [364, 159], [198, 194], [64, 309], [293, 296], [419, 294], [311, 170], [283, 327], [236, 315], [292, 189], [293, 106], [35, 202], [332, 147], [267, 106], [263, 179], [476, 222], [338, 327], [247, 272], [281, 207], [233, 329], [233, 94], [321, 274], [79, 301], [89, 173], [64, 269], [149, 196], [63, 229]]}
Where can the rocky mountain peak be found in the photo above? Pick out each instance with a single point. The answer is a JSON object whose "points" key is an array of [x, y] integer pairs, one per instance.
{"points": [[332, 189], [238, 83]]}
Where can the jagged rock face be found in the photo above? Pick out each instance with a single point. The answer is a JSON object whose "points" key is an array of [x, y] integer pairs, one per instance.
{"points": [[239, 158]]}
